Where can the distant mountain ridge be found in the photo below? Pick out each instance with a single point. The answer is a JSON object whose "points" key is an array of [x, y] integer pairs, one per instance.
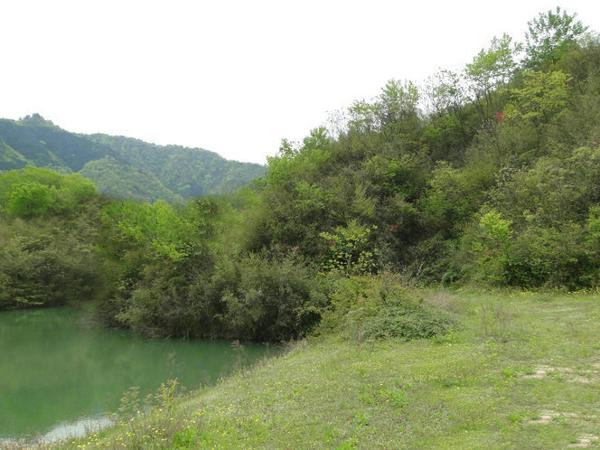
{"points": [[120, 166]]}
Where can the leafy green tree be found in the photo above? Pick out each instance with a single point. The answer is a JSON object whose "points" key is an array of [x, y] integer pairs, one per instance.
{"points": [[486, 246], [454, 196], [445, 91], [30, 199], [491, 70], [593, 227], [364, 117], [550, 35], [397, 100], [33, 192], [542, 95], [552, 256]]}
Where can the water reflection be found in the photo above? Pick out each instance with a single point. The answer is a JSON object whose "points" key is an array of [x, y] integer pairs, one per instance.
{"points": [[56, 370]]}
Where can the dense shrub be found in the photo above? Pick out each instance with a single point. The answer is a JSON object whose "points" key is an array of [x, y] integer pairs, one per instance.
{"points": [[272, 299], [34, 192], [250, 298], [364, 308], [42, 265], [47, 239]]}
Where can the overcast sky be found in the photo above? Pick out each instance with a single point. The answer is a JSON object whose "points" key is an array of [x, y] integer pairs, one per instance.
{"points": [[234, 77]]}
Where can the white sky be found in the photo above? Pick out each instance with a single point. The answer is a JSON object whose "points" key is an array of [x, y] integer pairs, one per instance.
{"points": [[233, 76]]}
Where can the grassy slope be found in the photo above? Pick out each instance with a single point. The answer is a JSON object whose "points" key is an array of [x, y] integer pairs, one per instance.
{"points": [[480, 387]]}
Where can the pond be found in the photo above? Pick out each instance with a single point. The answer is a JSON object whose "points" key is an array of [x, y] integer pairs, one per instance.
{"points": [[60, 376]]}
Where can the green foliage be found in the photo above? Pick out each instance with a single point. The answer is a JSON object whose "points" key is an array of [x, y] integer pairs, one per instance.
{"points": [[495, 230], [157, 228], [417, 181], [550, 35], [183, 172], [381, 308], [494, 66], [47, 238], [548, 256], [542, 95], [397, 100], [485, 248], [33, 192], [30, 200], [554, 191], [252, 298], [121, 167], [497, 182], [117, 180], [271, 300], [46, 263], [455, 195], [593, 226], [491, 70], [350, 251], [548, 239], [445, 91]]}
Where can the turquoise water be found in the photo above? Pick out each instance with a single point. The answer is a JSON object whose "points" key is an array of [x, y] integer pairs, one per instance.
{"points": [[59, 374]]}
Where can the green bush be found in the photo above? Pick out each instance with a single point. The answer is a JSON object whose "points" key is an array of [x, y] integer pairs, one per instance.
{"points": [[366, 308], [484, 248], [272, 299], [350, 251], [251, 298], [34, 192], [43, 265], [30, 199], [548, 256]]}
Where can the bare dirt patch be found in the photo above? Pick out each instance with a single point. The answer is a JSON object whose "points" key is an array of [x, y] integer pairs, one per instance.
{"points": [[584, 376], [584, 441], [548, 416]]}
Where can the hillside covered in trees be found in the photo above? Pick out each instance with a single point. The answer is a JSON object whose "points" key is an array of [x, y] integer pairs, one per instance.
{"points": [[121, 167], [487, 176], [462, 215]]}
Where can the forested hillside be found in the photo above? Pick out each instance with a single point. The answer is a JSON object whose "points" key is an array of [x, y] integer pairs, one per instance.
{"points": [[439, 245], [487, 176], [121, 167]]}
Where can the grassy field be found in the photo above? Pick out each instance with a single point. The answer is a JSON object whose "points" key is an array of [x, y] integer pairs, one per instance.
{"points": [[521, 372]]}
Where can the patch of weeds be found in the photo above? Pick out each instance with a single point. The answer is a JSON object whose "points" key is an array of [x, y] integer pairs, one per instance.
{"points": [[372, 395], [510, 372], [348, 445], [395, 397], [151, 423], [450, 382], [518, 418], [362, 419], [556, 375], [496, 322], [330, 435], [185, 439], [451, 337]]}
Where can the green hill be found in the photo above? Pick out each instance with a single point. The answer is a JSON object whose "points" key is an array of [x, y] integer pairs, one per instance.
{"points": [[121, 166]]}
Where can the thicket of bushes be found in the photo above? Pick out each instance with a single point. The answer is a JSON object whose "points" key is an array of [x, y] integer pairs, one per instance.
{"points": [[47, 238], [491, 175]]}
